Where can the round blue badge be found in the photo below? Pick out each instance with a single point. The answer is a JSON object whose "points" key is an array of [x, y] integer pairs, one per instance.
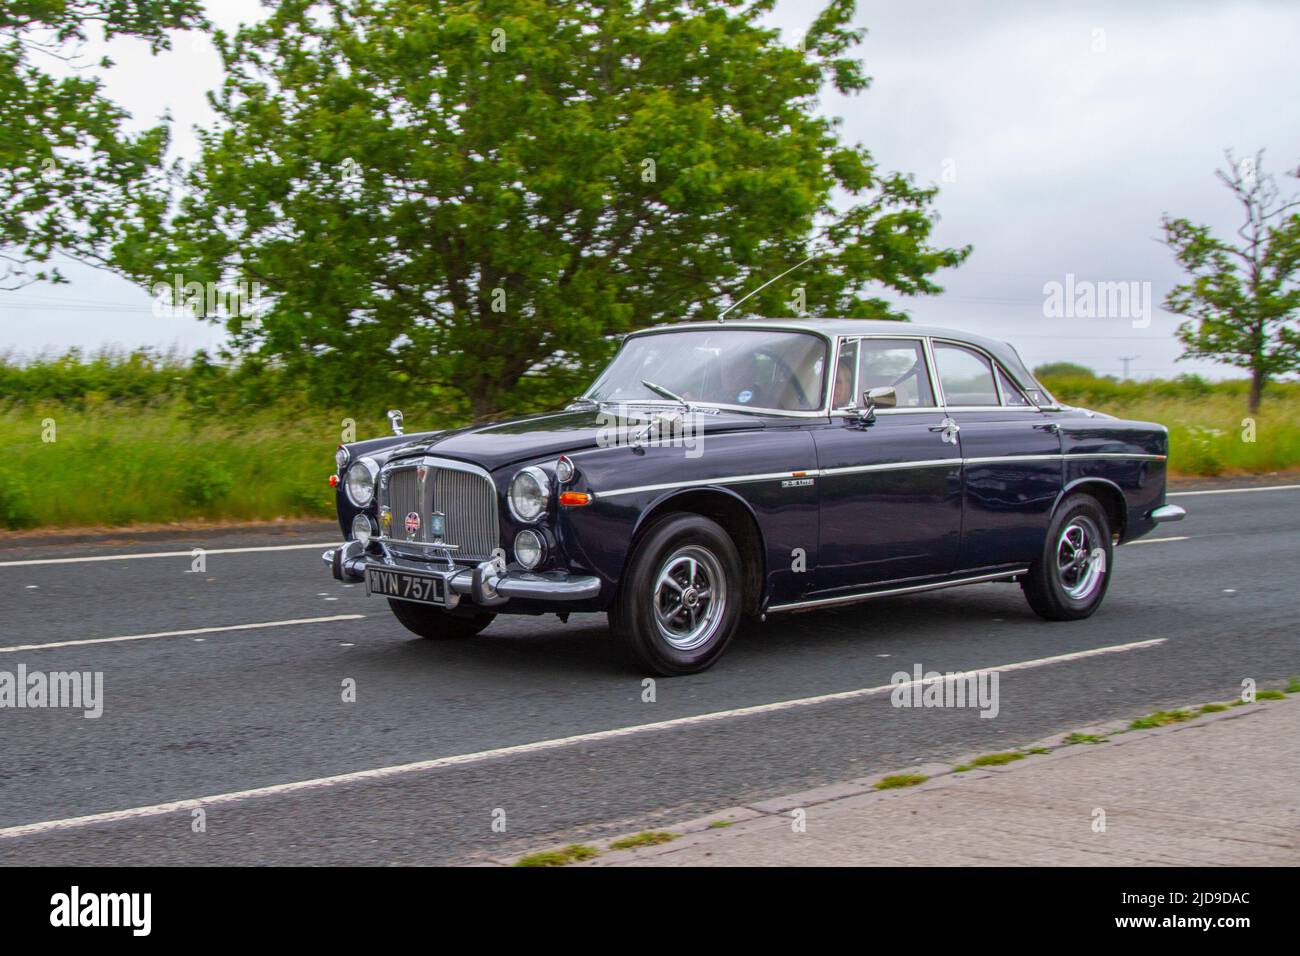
{"points": [[744, 396]]}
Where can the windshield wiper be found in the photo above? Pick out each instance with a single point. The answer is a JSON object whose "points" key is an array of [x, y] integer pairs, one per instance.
{"points": [[674, 397], [664, 393]]}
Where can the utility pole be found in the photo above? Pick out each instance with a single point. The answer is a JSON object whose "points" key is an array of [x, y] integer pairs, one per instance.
{"points": [[1126, 359]]}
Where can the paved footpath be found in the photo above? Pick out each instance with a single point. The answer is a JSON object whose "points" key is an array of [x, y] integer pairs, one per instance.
{"points": [[1223, 788]]}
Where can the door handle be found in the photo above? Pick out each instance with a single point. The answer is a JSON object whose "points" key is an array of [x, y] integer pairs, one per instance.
{"points": [[1048, 427], [949, 430]]}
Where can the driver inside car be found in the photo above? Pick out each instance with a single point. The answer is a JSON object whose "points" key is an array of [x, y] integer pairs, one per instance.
{"points": [[740, 382]]}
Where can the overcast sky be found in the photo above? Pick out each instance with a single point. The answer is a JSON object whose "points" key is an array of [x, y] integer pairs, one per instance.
{"points": [[1059, 133]]}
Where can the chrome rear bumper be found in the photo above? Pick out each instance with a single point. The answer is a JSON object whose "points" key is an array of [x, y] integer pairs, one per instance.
{"points": [[487, 583], [1168, 513]]}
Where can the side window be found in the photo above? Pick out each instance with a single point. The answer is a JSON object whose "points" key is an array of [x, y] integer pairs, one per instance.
{"points": [[966, 376], [1011, 394], [842, 397], [899, 363]]}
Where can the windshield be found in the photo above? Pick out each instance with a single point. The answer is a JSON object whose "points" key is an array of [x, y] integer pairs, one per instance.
{"points": [[747, 368]]}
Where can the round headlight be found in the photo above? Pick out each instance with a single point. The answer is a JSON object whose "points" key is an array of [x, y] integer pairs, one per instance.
{"points": [[564, 469], [529, 549], [363, 529], [360, 482], [529, 492], [341, 459]]}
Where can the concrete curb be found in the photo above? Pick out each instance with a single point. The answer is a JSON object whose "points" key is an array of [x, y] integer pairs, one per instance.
{"points": [[860, 793]]}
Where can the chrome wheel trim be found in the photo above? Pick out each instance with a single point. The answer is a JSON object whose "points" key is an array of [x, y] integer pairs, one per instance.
{"points": [[690, 597], [1078, 573]]}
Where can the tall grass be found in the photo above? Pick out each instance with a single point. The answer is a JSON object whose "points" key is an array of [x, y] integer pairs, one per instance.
{"points": [[115, 465], [147, 437], [1211, 431]]}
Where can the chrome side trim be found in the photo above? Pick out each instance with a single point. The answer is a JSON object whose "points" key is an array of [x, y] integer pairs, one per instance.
{"points": [[1116, 454], [936, 389], [1001, 459], [906, 410], [1168, 513], [702, 482], [935, 409], [886, 466], [910, 589], [1085, 456], [858, 469]]}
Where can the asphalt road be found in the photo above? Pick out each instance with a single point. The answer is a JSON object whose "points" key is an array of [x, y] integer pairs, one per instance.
{"points": [[221, 712]]}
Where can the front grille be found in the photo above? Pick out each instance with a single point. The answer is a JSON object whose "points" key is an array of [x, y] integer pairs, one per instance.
{"points": [[466, 498]]}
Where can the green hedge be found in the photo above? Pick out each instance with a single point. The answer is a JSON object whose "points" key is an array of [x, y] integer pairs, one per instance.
{"points": [[144, 437]]}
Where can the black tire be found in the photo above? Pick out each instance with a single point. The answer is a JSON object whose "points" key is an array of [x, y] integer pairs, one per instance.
{"points": [[1058, 587], [692, 638], [437, 624]]}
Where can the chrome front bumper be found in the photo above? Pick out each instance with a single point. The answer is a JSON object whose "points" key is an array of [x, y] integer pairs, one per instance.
{"points": [[487, 584]]}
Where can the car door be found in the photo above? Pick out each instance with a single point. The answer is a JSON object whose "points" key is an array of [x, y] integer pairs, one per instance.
{"points": [[890, 487], [1011, 455]]}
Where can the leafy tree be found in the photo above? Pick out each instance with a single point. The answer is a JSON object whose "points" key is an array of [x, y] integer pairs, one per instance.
{"points": [[1064, 370], [471, 194], [1242, 299], [70, 177]]}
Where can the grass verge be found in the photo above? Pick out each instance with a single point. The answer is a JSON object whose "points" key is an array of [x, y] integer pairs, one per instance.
{"points": [[899, 780], [573, 853], [1080, 738], [647, 838]]}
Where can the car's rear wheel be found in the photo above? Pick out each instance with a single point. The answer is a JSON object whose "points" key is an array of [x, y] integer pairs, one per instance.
{"points": [[439, 624], [680, 599], [1069, 579]]}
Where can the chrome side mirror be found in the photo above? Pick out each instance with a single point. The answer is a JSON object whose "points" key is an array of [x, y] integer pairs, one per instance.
{"points": [[873, 398], [395, 420]]}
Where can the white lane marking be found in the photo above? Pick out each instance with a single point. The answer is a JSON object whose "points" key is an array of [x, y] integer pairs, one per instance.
{"points": [[1229, 491], [166, 554], [188, 633], [383, 773], [1158, 540]]}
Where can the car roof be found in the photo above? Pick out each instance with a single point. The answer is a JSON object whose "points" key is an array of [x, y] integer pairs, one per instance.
{"points": [[1004, 352]]}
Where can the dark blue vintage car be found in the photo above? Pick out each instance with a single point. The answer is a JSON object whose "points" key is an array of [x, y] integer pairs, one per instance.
{"points": [[753, 467]]}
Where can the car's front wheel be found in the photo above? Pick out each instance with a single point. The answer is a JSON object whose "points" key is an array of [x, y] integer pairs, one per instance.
{"points": [[438, 624], [1069, 579], [680, 599]]}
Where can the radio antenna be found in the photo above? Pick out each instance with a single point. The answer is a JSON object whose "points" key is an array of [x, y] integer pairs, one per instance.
{"points": [[723, 315]]}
